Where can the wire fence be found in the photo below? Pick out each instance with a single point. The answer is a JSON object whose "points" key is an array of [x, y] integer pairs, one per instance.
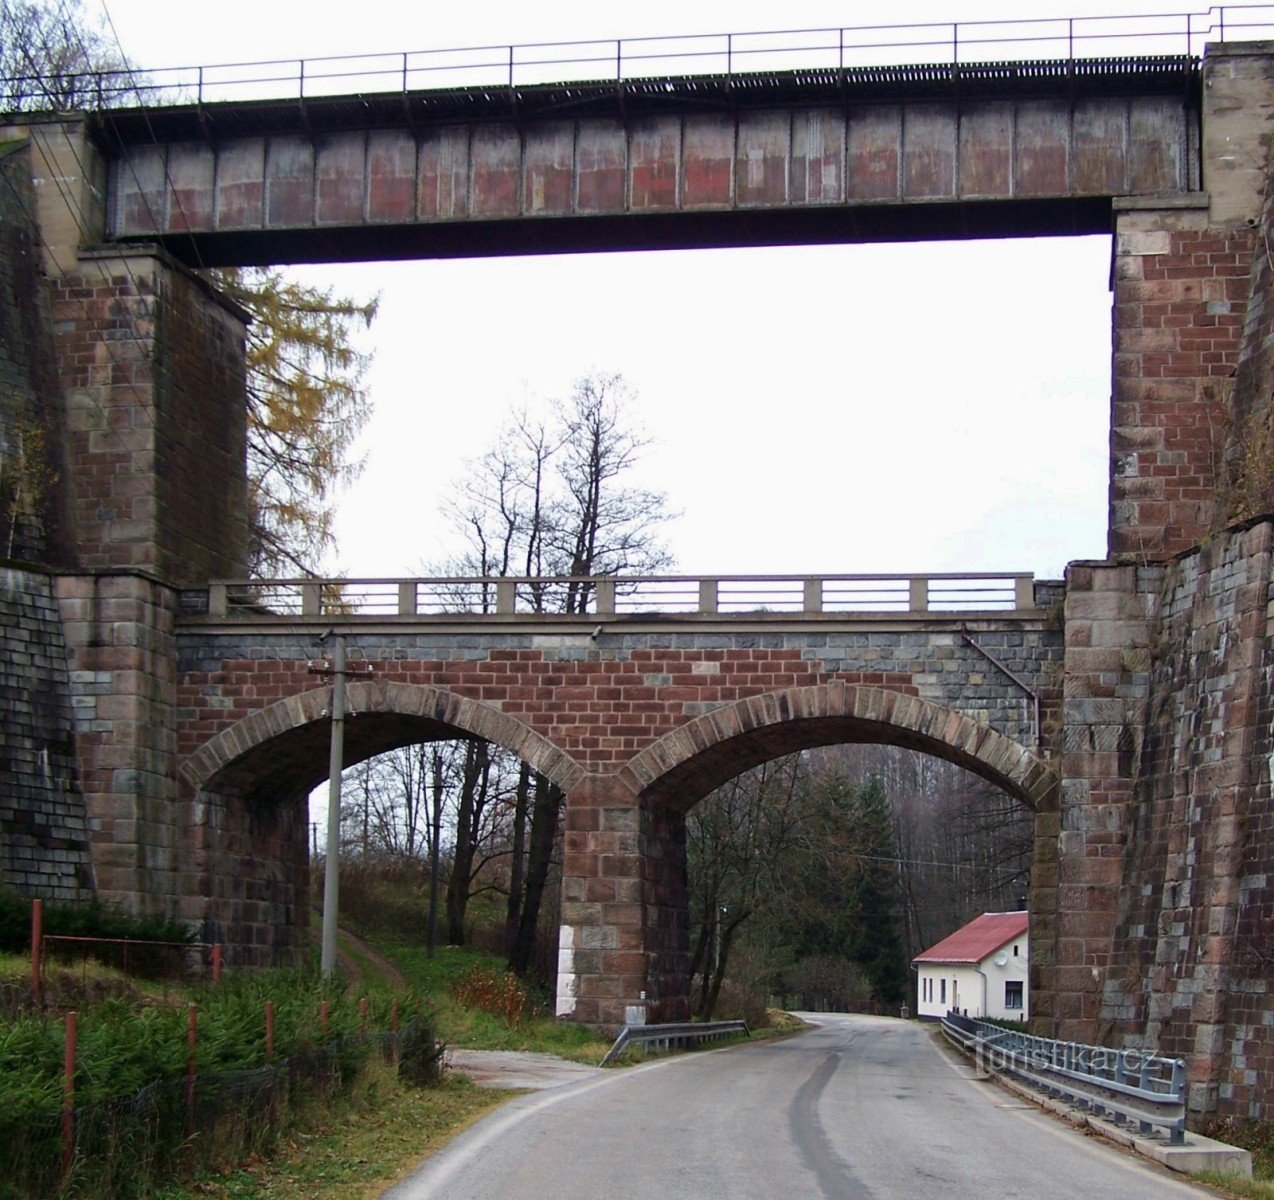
{"points": [[151, 959], [175, 1126]]}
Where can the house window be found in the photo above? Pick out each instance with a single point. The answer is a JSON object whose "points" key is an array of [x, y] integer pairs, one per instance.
{"points": [[1014, 949], [943, 997], [1013, 993]]}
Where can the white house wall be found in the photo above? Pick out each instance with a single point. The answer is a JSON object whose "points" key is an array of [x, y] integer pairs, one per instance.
{"points": [[978, 991]]}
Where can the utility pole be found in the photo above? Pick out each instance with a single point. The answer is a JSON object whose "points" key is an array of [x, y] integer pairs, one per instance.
{"points": [[435, 837], [336, 764]]}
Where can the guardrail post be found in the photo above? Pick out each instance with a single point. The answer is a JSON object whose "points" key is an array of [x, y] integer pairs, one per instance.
{"points": [[707, 595], [604, 592], [1177, 1134], [506, 596], [1024, 592], [918, 594], [311, 599], [218, 599], [407, 599], [813, 596]]}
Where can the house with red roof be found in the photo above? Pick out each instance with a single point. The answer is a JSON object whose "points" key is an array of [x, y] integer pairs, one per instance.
{"points": [[981, 970]]}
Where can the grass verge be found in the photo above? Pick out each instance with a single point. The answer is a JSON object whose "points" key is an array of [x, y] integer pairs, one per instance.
{"points": [[1248, 1189], [472, 1028], [356, 1155], [1256, 1136]]}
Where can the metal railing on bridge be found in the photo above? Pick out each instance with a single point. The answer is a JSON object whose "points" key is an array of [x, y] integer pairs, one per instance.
{"points": [[562, 596], [620, 60], [1126, 1086]]}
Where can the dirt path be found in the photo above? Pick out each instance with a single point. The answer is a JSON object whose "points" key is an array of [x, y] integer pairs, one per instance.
{"points": [[393, 975], [350, 966]]}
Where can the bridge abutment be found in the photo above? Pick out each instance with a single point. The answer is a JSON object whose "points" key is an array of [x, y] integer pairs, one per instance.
{"points": [[1182, 275], [152, 368], [1105, 689], [150, 496], [1181, 288]]}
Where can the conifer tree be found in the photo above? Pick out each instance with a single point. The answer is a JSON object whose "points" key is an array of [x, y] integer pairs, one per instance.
{"points": [[306, 404]]}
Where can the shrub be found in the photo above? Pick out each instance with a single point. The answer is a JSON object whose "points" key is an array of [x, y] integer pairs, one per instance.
{"points": [[736, 1002], [130, 1093], [92, 920], [499, 993]]}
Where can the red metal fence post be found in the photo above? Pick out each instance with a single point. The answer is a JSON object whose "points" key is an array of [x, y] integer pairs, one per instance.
{"points": [[216, 963], [68, 1096], [362, 1015], [37, 953]]}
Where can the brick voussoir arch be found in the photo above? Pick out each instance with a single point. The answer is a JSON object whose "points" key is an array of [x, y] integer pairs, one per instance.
{"points": [[700, 755], [439, 708]]}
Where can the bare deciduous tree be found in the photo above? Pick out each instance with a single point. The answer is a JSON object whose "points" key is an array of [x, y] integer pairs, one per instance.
{"points": [[53, 57]]}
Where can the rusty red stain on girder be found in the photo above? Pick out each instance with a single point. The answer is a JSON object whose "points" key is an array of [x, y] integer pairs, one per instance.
{"points": [[391, 177]]}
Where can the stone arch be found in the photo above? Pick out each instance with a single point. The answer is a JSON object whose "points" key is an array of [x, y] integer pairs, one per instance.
{"points": [[685, 765], [268, 744], [248, 844]]}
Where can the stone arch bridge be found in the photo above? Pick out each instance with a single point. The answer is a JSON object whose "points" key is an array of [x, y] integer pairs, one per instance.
{"points": [[636, 708]]}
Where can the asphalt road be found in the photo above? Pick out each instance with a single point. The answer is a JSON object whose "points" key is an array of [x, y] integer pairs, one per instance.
{"points": [[861, 1108]]}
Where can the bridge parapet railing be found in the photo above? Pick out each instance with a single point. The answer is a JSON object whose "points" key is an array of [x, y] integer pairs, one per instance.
{"points": [[1128, 1086], [616, 596], [618, 60]]}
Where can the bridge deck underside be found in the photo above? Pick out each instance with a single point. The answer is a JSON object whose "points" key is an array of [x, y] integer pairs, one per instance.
{"points": [[411, 176]]}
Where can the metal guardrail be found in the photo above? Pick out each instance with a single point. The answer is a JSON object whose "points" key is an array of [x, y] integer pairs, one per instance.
{"points": [[664, 1037], [625, 59], [614, 596], [1125, 1086]]}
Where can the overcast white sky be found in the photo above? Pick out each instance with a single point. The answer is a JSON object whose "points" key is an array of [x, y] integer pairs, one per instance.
{"points": [[929, 407]]}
